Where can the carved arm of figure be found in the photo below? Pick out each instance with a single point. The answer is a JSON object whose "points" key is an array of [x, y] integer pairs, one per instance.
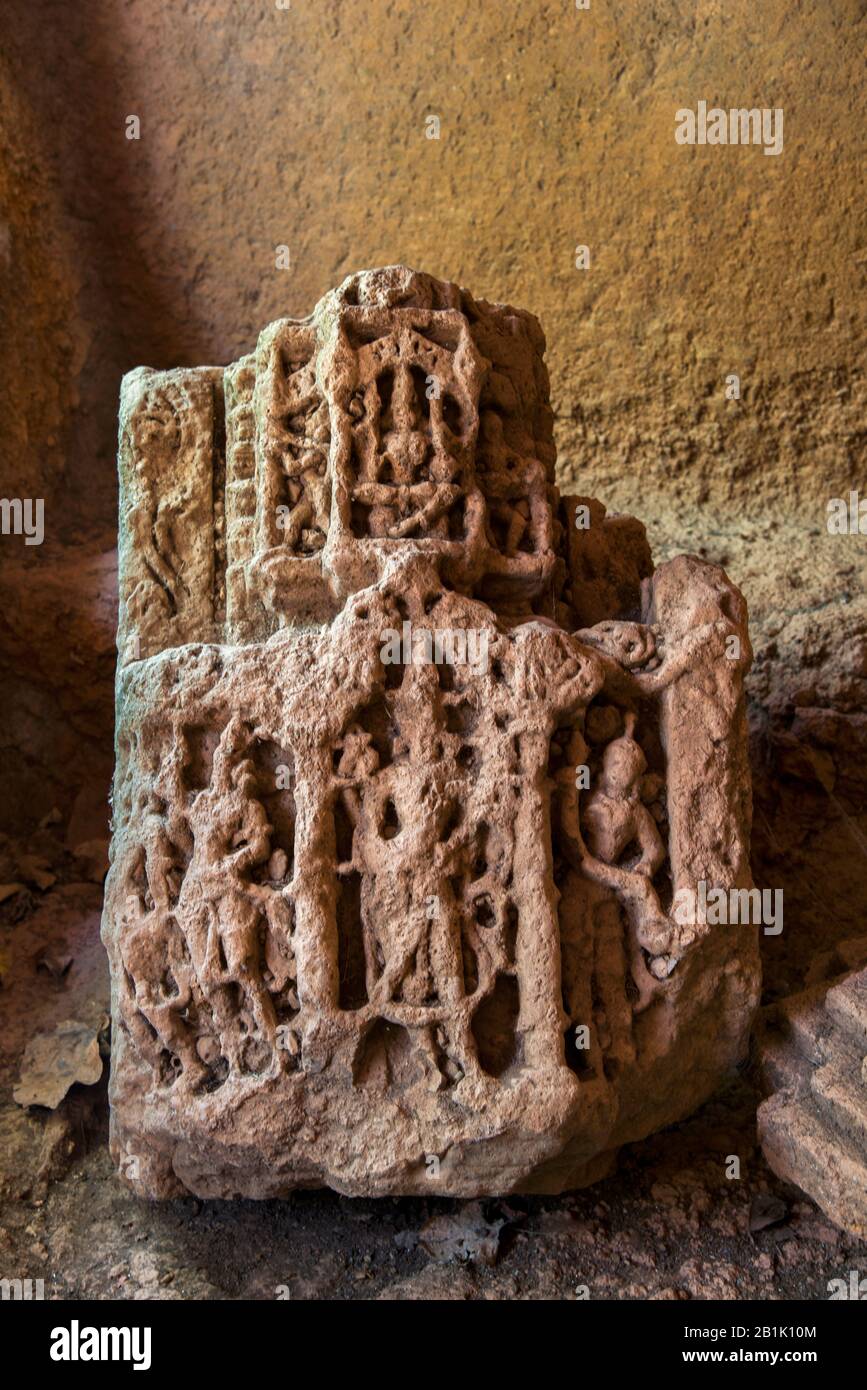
{"points": [[445, 496], [623, 646], [254, 836], [279, 952], [702, 638], [649, 841], [359, 760]]}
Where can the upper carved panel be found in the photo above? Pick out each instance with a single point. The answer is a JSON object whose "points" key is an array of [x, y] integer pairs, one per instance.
{"points": [[401, 416]]}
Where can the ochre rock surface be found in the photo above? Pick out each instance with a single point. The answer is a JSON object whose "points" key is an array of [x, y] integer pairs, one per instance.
{"points": [[305, 127], [416, 761]]}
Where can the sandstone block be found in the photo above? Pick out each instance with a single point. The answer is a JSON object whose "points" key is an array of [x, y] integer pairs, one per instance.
{"points": [[415, 760]]}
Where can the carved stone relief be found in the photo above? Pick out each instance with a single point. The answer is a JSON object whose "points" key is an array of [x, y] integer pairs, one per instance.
{"points": [[415, 761]]}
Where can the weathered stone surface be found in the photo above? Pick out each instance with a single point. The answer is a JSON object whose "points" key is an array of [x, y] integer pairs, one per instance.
{"points": [[413, 760], [811, 1052]]}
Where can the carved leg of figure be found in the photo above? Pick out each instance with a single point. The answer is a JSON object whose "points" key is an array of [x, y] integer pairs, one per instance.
{"points": [[373, 957], [380, 520], [445, 953], [238, 922], [462, 1045], [199, 923], [447, 967], [653, 931], [418, 983], [651, 928], [175, 1036], [614, 958], [195, 922], [223, 1004], [300, 516], [144, 959], [140, 1029], [279, 951], [648, 985], [393, 976], [426, 1038], [399, 947]]}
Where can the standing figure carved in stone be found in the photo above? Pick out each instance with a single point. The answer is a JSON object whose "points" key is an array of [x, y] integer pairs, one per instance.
{"points": [[598, 835], [219, 908], [158, 970], [155, 437], [408, 902]]}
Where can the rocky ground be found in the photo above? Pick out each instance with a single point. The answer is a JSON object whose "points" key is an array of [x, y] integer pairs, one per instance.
{"points": [[673, 1222], [668, 1225]]}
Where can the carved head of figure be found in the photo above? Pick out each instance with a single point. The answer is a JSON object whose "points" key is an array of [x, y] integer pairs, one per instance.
{"points": [[623, 765], [630, 644], [154, 429], [359, 757]]}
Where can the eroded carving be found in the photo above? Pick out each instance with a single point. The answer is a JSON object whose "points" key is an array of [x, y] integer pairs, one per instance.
{"points": [[400, 825]]}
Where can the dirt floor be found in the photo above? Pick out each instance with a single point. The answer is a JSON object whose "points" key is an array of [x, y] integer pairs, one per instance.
{"points": [[670, 1223]]}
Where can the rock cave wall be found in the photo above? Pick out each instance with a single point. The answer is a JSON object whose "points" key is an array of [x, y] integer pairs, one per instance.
{"points": [[305, 129]]}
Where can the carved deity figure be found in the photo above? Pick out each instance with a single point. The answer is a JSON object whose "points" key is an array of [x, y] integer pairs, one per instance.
{"points": [[408, 456], [158, 972], [155, 436], [412, 927], [613, 826], [220, 908]]}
